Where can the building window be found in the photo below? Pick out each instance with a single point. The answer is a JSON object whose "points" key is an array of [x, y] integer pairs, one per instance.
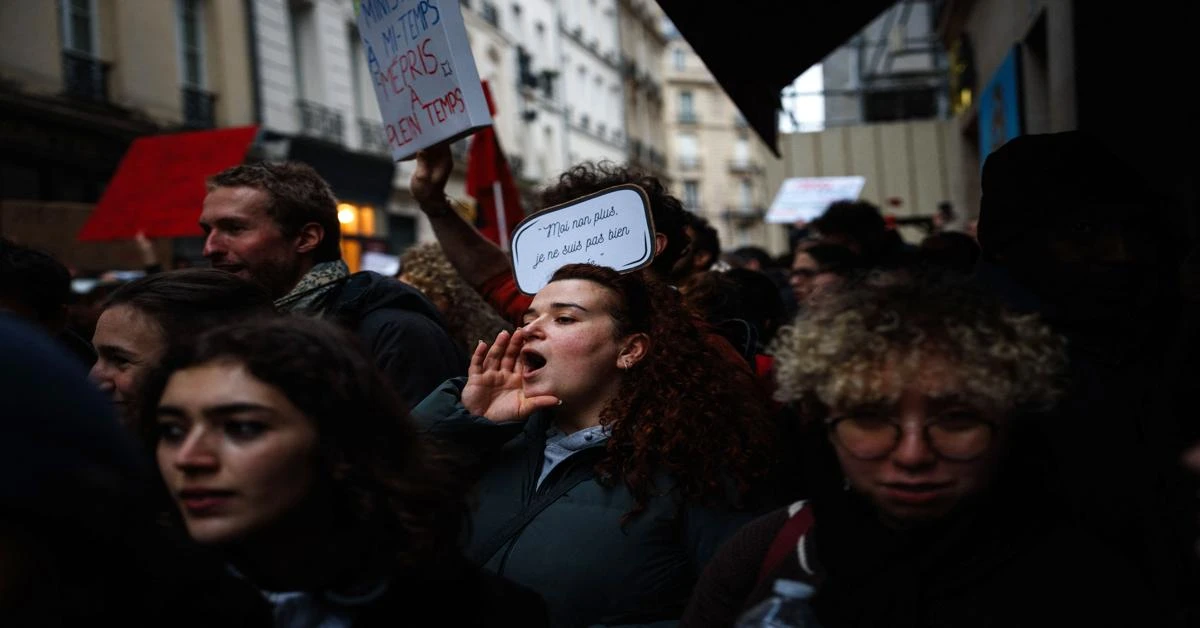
{"points": [[490, 14], [691, 195], [359, 224], [894, 105], [680, 56], [191, 42], [688, 151], [687, 107], [741, 151], [79, 26], [85, 76], [304, 52], [747, 193]]}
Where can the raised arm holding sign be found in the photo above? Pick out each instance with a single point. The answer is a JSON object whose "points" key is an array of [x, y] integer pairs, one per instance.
{"points": [[424, 75]]}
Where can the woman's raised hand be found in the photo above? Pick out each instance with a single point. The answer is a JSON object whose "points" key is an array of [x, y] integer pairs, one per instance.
{"points": [[495, 384]]}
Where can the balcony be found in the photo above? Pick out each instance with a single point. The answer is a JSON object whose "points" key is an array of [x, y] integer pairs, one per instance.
{"points": [[744, 217], [372, 138], [658, 160], [490, 14], [689, 164], [743, 166], [687, 117], [635, 152], [199, 108], [85, 77], [321, 122]]}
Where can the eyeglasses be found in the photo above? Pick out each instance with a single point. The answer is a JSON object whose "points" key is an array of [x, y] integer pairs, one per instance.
{"points": [[956, 438]]}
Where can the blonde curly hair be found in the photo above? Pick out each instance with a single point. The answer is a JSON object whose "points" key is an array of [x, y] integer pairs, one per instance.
{"points": [[468, 317], [866, 344]]}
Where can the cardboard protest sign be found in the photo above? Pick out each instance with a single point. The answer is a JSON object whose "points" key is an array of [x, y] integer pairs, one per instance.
{"points": [[612, 227], [425, 77], [806, 198], [159, 187]]}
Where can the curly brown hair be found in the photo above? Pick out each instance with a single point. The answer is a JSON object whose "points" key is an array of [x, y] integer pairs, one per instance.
{"points": [[669, 215], [682, 410], [865, 343], [468, 317], [387, 481]]}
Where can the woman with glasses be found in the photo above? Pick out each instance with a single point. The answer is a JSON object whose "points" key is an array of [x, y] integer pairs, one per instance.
{"points": [[935, 513], [819, 270]]}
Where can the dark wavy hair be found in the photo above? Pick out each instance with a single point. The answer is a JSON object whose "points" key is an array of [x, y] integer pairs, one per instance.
{"points": [[387, 481], [185, 303], [669, 214], [683, 409]]}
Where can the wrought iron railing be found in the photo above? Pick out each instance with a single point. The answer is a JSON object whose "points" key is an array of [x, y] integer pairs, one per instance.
{"points": [[199, 108], [321, 122], [371, 135], [85, 77]]}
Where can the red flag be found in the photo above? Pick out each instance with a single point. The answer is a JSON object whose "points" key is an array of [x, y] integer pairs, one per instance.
{"points": [[490, 181], [159, 186]]}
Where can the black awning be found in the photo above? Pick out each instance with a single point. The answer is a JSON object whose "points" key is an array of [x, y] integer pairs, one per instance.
{"points": [[355, 177], [755, 48]]}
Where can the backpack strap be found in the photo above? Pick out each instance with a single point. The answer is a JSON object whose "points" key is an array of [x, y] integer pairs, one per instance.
{"points": [[791, 538]]}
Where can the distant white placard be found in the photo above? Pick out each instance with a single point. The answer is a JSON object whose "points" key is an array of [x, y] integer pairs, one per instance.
{"points": [[611, 228], [382, 263], [425, 77], [807, 198]]}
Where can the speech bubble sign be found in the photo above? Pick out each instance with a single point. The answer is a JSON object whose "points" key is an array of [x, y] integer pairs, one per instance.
{"points": [[612, 228], [424, 74]]}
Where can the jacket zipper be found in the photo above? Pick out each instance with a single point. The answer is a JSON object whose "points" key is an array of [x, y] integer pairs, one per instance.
{"points": [[555, 474]]}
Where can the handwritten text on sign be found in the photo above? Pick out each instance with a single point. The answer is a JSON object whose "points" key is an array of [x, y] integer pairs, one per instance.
{"points": [[610, 228], [425, 78]]}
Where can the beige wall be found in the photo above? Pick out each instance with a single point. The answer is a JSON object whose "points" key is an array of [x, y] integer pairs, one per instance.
{"points": [[717, 132], [30, 53], [141, 45], [228, 60], [643, 43], [916, 162], [139, 38]]}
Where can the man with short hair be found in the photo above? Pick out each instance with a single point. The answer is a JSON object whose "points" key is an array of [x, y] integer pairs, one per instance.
{"points": [[276, 224]]}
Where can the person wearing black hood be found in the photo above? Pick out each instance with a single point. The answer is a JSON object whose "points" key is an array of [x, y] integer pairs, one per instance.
{"points": [[1069, 230], [277, 224], [37, 287], [79, 540]]}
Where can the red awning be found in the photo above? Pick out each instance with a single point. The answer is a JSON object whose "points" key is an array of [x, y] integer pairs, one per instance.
{"points": [[159, 187], [755, 48]]}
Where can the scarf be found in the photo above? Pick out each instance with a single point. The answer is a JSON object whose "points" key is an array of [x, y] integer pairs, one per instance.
{"points": [[313, 289]]}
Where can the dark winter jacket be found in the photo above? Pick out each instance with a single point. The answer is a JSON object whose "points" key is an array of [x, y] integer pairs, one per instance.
{"points": [[591, 569], [403, 331]]}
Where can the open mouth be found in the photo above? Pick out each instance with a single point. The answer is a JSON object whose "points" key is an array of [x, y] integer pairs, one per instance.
{"points": [[533, 361]]}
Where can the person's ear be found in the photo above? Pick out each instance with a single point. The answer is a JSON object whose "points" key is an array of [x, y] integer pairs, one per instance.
{"points": [[310, 238], [660, 244], [636, 347]]}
